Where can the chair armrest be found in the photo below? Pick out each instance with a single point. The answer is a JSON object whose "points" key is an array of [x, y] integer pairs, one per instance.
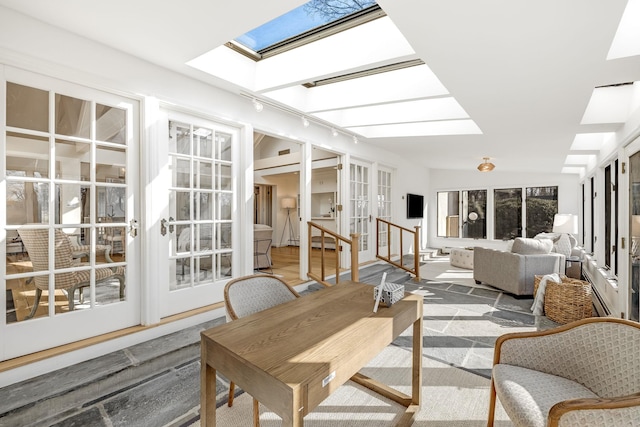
{"points": [[560, 414]]}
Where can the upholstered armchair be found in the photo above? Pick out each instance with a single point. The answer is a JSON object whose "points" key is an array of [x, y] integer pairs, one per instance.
{"points": [[585, 373], [36, 242]]}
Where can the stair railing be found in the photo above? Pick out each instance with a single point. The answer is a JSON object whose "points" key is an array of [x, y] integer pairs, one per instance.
{"points": [[353, 243], [400, 231]]}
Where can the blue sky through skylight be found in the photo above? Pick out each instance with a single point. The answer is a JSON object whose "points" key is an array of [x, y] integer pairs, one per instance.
{"points": [[293, 23]]}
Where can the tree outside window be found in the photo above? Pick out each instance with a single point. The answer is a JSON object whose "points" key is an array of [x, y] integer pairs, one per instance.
{"points": [[508, 213], [541, 205]]}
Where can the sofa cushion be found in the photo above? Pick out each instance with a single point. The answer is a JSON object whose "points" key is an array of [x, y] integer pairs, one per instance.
{"points": [[528, 395], [525, 246], [563, 243]]}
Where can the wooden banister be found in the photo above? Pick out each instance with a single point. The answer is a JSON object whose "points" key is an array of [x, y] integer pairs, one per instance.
{"points": [[353, 243], [391, 227]]}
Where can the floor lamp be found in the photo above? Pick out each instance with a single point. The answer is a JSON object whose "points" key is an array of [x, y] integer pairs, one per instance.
{"points": [[288, 203]]}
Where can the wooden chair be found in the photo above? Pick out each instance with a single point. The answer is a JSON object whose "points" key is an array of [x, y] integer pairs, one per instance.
{"points": [[584, 373], [36, 242], [248, 295]]}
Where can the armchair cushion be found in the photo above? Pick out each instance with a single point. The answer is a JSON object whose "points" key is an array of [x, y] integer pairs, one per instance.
{"points": [[528, 395], [580, 374]]}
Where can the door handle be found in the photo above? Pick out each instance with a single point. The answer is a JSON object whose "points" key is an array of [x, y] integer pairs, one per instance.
{"points": [[163, 225], [133, 228]]}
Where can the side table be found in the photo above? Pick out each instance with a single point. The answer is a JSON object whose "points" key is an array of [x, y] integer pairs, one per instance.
{"points": [[573, 267]]}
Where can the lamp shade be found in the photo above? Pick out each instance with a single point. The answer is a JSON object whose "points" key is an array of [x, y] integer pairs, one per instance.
{"points": [[288, 203], [565, 223]]}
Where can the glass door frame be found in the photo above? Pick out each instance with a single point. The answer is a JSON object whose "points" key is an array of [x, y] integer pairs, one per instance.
{"points": [[628, 209], [45, 332], [209, 292]]}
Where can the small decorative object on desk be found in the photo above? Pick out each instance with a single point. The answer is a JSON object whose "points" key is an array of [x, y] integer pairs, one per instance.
{"points": [[391, 293], [387, 293]]}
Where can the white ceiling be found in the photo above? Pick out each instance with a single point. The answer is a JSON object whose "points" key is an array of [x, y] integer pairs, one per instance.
{"points": [[523, 71]]}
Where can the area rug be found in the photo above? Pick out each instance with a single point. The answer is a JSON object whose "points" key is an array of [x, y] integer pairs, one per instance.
{"points": [[451, 397]]}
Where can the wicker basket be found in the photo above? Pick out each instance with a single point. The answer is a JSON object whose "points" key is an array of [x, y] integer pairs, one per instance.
{"points": [[567, 301]]}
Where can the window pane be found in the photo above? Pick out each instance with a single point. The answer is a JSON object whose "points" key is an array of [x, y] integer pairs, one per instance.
{"points": [[448, 213], [111, 124], [223, 146], [27, 155], [111, 164], [474, 208], [27, 107], [69, 159], [542, 205], [73, 116], [508, 213]]}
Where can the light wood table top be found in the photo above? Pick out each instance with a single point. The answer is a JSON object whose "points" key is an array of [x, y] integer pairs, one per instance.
{"points": [[292, 356]]}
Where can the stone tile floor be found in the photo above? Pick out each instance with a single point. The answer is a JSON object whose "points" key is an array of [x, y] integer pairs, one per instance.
{"points": [[156, 383]]}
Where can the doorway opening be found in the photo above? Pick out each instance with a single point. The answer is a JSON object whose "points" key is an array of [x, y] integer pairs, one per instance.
{"points": [[278, 198]]}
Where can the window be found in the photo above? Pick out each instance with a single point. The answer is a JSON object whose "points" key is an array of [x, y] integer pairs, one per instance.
{"points": [[611, 216], [474, 208], [541, 205], [472, 204], [448, 213], [306, 23], [508, 213]]}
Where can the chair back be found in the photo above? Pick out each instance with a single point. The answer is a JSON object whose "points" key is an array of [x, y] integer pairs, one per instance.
{"points": [[250, 294], [36, 242], [602, 354]]}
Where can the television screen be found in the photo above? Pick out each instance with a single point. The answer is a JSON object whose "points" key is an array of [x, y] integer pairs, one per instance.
{"points": [[415, 206]]}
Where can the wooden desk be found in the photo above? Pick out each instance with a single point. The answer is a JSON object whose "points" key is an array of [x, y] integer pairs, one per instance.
{"points": [[292, 356]]}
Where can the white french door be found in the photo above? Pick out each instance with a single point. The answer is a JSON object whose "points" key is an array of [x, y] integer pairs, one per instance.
{"points": [[631, 297], [384, 210], [196, 225], [68, 248], [360, 219]]}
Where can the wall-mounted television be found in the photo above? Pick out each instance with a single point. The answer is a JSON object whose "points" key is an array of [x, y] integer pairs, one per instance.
{"points": [[415, 205]]}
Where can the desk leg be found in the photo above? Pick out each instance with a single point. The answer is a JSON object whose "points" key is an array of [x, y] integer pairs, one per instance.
{"points": [[207, 391], [416, 377]]}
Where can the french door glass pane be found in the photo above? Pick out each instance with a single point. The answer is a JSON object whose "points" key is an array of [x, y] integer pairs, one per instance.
{"points": [[65, 216], [200, 204], [27, 107]]}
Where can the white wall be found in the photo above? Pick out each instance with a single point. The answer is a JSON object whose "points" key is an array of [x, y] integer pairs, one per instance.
{"points": [[448, 180]]}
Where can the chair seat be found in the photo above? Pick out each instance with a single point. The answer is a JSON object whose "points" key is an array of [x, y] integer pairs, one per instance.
{"points": [[528, 395]]}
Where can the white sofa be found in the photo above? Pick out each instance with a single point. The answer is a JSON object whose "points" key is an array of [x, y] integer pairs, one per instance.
{"points": [[515, 271]]}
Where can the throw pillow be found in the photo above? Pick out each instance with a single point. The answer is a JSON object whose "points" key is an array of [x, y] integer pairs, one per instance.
{"points": [[563, 245], [526, 246]]}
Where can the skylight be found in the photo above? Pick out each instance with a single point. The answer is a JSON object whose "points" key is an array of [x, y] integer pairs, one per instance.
{"points": [[301, 21]]}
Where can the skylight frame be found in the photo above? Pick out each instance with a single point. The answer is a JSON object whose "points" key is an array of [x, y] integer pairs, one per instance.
{"points": [[350, 21]]}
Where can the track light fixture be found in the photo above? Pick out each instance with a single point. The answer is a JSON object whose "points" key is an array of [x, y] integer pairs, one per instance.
{"points": [[305, 122], [334, 132], [355, 139], [258, 105]]}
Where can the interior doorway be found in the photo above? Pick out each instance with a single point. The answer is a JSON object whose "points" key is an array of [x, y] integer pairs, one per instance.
{"points": [[278, 198]]}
